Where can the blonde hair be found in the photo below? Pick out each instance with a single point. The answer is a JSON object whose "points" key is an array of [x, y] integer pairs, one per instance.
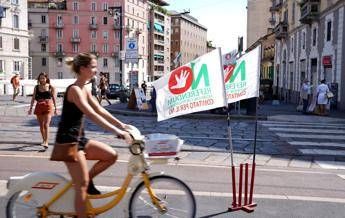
{"points": [[81, 60]]}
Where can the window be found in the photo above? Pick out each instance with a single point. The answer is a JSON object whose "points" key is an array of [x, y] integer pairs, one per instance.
{"points": [[59, 62], [303, 40], [43, 19], [59, 20], [75, 47], [105, 35], [105, 6], [329, 31], [93, 47], [0, 42], [75, 6], [93, 34], [60, 75], [15, 2], [59, 47], [105, 20], [59, 33], [15, 21], [105, 48], [93, 6], [16, 44], [43, 47], [75, 20], [93, 20], [16, 65], [314, 37], [44, 61], [75, 33], [105, 62]]}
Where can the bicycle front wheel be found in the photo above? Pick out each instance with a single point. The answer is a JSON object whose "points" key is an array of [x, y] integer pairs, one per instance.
{"points": [[21, 205], [172, 194]]}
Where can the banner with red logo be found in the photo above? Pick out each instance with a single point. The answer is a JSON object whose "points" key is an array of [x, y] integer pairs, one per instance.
{"points": [[242, 78], [196, 86]]}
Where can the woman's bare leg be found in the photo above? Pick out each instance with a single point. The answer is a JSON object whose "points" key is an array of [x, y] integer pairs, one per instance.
{"points": [[105, 155], [40, 119], [46, 123], [80, 177]]}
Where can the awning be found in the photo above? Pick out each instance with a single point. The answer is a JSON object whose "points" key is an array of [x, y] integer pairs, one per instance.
{"points": [[158, 27]]}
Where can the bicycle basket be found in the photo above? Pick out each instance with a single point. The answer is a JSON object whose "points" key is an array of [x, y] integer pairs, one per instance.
{"points": [[159, 145]]}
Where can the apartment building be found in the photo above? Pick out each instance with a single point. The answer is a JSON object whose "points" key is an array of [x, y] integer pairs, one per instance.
{"points": [[309, 44], [14, 37], [99, 27], [38, 24], [159, 40], [188, 37]]}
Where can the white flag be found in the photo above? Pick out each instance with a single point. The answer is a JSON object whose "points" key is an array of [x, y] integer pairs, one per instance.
{"points": [[196, 86], [242, 79]]}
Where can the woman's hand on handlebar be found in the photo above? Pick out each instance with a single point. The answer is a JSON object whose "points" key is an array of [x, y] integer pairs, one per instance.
{"points": [[126, 136]]}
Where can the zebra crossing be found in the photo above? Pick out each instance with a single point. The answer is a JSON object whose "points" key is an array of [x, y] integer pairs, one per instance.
{"points": [[326, 140]]}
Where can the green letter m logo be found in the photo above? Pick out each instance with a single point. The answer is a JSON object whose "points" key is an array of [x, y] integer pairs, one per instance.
{"points": [[242, 68], [202, 73]]}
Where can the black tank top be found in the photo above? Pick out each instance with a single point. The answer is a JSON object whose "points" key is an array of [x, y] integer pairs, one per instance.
{"points": [[71, 118], [43, 95]]}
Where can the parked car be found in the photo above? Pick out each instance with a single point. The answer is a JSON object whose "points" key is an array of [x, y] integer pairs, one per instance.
{"points": [[116, 91]]}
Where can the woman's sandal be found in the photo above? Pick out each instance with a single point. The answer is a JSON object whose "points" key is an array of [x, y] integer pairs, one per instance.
{"points": [[45, 146]]}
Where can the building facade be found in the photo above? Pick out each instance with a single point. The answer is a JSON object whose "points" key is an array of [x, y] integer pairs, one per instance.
{"points": [[100, 27], [188, 37], [309, 44], [159, 40], [14, 37]]}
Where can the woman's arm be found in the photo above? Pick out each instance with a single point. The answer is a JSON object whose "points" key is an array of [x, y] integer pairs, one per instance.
{"points": [[53, 98], [32, 101], [76, 96], [103, 112]]}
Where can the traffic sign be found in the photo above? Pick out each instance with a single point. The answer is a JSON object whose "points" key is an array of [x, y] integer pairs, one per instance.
{"points": [[131, 50]]}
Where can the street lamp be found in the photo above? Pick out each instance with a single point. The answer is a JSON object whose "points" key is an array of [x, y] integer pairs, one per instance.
{"points": [[116, 13]]}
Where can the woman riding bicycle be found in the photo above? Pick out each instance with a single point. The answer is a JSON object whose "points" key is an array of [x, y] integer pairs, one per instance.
{"points": [[78, 101]]}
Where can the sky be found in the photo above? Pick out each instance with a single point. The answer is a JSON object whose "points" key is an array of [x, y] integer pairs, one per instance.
{"points": [[225, 20]]}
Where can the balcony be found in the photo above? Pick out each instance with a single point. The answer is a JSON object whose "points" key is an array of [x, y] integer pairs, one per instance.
{"points": [[75, 39], [59, 25], [117, 26], [310, 10], [59, 54], [93, 26], [281, 30], [43, 39], [276, 5]]}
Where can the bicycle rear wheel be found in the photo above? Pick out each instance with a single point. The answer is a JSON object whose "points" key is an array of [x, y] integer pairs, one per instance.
{"points": [[22, 205], [176, 197]]}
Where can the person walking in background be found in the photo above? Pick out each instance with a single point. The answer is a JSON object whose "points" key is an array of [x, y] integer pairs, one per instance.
{"points": [[15, 85], [44, 95], [322, 99], [305, 95], [144, 87], [78, 101], [153, 100], [94, 90], [103, 86]]}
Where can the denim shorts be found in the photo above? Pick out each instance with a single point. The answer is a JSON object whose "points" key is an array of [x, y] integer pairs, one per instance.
{"points": [[71, 138]]}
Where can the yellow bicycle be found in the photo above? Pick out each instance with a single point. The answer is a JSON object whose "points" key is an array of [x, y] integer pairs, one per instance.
{"points": [[44, 194]]}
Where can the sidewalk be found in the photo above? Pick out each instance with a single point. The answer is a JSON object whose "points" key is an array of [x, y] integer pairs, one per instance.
{"points": [[266, 111]]}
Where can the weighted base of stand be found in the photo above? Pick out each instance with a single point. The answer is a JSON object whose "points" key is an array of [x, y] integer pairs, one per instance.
{"points": [[247, 208]]}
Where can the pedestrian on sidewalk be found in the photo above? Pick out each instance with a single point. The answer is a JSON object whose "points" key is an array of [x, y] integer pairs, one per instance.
{"points": [[144, 87], [305, 94], [44, 95], [15, 85], [153, 100], [78, 101], [103, 86], [94, 90], [322, 99]]}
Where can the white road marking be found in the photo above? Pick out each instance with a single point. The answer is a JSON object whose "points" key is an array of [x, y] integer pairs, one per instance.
{"points": [[329, 144], [334, 165], [342, 176], [304, 130], [21, 105], [319, 136], [218, 194], [322, 152]]}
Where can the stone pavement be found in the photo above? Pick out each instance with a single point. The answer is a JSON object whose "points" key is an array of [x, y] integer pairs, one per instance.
{"points": [[204, 133]]}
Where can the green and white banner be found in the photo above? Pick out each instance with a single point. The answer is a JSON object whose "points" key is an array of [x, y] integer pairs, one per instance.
{"points": [[242, 79], [196, 86]]}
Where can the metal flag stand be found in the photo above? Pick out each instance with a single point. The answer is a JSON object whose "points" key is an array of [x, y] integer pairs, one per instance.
{"points": [[237, 204]]}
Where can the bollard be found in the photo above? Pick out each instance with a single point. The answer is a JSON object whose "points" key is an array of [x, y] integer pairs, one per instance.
{"points": [[248, 205]]}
